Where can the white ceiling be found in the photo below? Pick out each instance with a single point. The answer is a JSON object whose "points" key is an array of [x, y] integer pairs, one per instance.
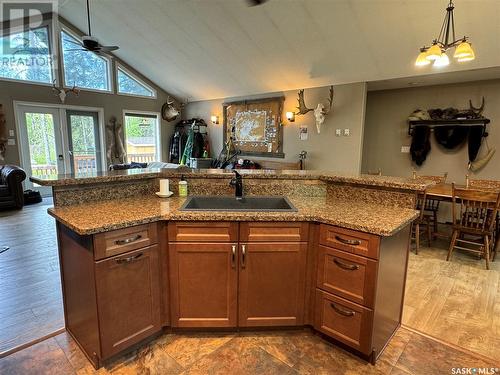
{"points": [[207, 49]]}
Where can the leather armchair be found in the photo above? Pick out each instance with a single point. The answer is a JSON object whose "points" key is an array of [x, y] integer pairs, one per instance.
{"points": [[11, 188]]}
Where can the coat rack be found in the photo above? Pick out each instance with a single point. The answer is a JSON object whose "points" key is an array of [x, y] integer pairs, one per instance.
{"points": [[439, 123]]}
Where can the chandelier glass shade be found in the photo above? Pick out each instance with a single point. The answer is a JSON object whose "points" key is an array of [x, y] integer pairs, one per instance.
{"points": [[446, 40]]}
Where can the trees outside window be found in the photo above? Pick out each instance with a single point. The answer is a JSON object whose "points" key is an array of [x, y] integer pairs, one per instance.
{"points": [[128, 84], [83, 68], [26, 56]]}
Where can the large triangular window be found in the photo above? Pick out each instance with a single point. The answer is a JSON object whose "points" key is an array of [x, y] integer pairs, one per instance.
{"points": [[128, 84], [82, 68]]}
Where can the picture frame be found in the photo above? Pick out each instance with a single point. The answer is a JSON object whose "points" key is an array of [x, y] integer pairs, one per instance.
{"points": [[254, 127]]}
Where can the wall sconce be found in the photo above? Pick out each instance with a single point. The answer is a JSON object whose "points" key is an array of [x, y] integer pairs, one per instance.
{"points": [[290, 116], [214, 119]]}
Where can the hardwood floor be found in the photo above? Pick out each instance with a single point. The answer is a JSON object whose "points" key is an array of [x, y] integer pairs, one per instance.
{"points": [[289, 352], [30, 286], [456, 301]]}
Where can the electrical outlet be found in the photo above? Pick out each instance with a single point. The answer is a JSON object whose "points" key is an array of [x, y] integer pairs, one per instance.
{"points": [[11, 142], [405, 149], [347, 132], [11, 132], [338, 132]]}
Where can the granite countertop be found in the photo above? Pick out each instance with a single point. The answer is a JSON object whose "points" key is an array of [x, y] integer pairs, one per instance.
{"points": [[96, 217], [404, 183]]}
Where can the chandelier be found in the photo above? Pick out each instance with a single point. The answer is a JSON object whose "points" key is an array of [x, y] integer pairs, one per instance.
{"points": [[446, 40]]}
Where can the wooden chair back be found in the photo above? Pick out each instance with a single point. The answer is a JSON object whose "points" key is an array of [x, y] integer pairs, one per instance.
{"points": [[279, 165], [422, 203], [485, 184], [474, 210]]}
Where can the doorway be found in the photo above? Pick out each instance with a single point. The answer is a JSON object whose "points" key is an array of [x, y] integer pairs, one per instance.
{"points": [[59, 140]]}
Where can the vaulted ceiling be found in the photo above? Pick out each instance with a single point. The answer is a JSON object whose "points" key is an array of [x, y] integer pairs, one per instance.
{"points": [[206, 49]]}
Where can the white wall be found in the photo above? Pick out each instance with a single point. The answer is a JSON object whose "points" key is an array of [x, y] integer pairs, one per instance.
{"points": [[325, 150], [386, 129]]}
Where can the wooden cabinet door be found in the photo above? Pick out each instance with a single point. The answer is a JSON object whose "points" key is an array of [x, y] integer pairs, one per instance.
{"points": [[128, 299], [272, 284], [203, 284]]}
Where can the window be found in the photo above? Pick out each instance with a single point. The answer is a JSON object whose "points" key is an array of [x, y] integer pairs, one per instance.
{"points": [[83, 68], [141, 137], [26, 56], [131, 85]]}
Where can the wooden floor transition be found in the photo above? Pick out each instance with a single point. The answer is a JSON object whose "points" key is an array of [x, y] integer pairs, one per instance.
{"points": [[30, 286], [457, 301]]}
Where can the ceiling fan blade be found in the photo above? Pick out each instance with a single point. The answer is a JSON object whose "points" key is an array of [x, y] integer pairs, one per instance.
{"points": [[252, 3], [108, 48], [75, 49]]}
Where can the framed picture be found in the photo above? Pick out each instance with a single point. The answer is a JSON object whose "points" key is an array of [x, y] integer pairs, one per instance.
{"points": [[254, 127]]}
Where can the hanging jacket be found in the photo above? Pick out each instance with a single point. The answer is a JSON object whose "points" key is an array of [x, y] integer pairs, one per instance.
{"points": [[420, 144]]}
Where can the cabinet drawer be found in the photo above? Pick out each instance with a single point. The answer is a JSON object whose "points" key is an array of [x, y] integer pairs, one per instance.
{"points": [[359, 243], [202, 231], [344, 321], [122, 240], [347, 275], [268, 232]]}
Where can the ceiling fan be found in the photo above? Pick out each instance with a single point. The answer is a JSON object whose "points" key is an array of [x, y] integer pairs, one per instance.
{"points": [[90, 43], [252, 3]]}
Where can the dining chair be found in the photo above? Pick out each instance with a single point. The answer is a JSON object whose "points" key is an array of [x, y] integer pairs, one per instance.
{"points": [[490, 185], [423, 219], [474, 214], [432, 205]]}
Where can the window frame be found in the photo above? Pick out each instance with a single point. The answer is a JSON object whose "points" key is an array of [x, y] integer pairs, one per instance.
{"points": [[67, 30], [52, 47], [121, 67], [128, 112]]}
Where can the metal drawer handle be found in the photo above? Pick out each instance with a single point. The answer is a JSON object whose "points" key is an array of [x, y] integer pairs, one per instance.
{"points": [[128, 259], [348, 242], [243, 256], [233, 256], [128, 240], [342, 311], [349, 267]]}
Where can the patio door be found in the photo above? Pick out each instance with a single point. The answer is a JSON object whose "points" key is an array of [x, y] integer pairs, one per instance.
{"points": [[56, 140], [40, 141], [84, 144]]}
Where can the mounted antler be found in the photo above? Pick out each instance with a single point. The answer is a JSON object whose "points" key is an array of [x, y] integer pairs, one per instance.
{"points": [[476, 111], [61, 93], [302, 104], [330, 102]]}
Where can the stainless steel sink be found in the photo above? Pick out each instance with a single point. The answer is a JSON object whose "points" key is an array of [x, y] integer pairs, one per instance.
{"points": [[225, 203]]}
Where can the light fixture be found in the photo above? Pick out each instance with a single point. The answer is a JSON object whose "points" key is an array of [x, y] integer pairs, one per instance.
{"points": [[445, 41], [290, 116], [214, 119], [422, 58], [443, 60]]}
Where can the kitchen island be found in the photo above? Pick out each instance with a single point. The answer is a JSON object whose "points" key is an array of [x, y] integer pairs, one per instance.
{"points": [[134, 265]]}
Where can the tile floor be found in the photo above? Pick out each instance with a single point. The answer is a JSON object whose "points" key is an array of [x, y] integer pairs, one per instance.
{"points": [[288, 352]]}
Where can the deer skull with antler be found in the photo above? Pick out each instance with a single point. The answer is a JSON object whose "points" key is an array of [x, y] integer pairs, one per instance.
{"points": [[62, 93], [320, 111]]}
